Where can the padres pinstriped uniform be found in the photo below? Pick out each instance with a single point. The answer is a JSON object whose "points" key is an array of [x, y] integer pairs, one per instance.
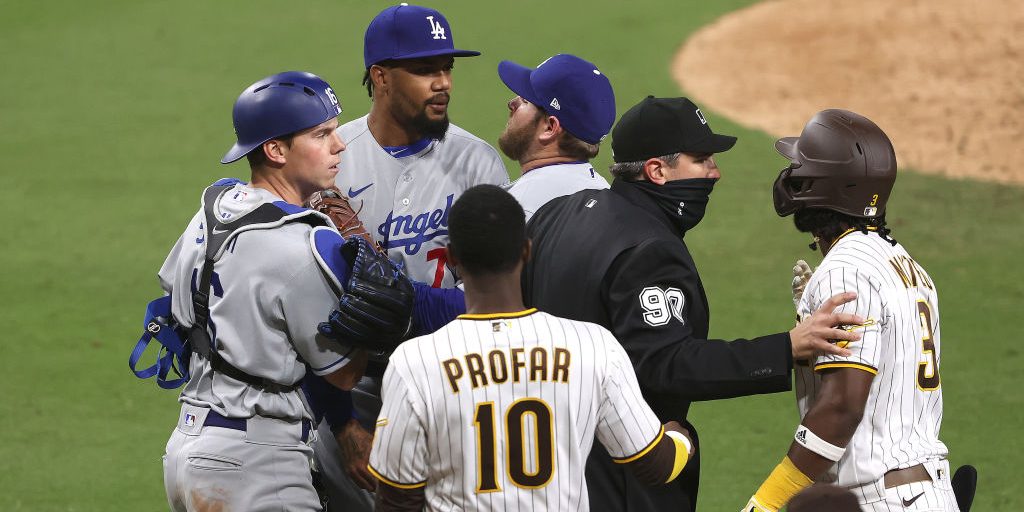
{"points": [[902, 348], [870, 414], [403, 194], [499, 411]]}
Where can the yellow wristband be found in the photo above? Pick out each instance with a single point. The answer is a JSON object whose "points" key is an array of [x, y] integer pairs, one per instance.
{"points": [[780, 486], [682, 446]]}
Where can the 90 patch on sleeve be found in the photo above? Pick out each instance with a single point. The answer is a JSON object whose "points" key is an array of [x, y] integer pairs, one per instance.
{"points": [[662, 305]]}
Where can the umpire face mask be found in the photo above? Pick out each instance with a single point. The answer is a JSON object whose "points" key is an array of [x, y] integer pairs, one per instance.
{"points": [[683, 201]]}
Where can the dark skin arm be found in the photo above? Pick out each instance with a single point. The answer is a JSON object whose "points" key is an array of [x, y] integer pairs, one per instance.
{"points": [[393, 499], [355, 443], [347, 377], [834, 417]]}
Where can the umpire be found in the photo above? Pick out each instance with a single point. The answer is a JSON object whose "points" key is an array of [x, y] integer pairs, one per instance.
{"points": [[623, 251]]}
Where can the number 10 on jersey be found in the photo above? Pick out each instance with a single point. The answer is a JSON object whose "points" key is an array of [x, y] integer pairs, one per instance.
{"points": [[541, 442]]}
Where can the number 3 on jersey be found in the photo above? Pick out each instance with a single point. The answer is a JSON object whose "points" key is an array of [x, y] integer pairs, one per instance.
{"points": [[519, 470], [661, 306], [927, 371]]}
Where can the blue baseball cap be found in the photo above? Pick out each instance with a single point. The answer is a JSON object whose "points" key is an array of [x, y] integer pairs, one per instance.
{"points": [[409, 32], [569, 88]]}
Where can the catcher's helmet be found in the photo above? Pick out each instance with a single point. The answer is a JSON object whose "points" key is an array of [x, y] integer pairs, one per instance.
{"points": [[841, 161], [280, 105]]}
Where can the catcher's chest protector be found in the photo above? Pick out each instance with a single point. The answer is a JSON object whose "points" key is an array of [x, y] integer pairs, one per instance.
{"points": [[218, 234], [158, 323]]}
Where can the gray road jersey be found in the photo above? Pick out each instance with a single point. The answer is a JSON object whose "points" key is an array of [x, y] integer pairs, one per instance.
{"points": [[538, 186], [269, 294], [404, 202]]}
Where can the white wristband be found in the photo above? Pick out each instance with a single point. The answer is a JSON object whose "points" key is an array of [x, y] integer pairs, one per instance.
{"points": [[812, 442], [681, 438]]}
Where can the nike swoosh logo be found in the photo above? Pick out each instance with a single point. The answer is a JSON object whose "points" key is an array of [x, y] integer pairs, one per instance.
{"points": [[219, 231], [396, 152], [907, 503], [353, 193]]}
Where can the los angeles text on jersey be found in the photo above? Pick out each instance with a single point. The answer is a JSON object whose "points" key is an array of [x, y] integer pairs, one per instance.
{"points": [[412, 231], [500, 365]]}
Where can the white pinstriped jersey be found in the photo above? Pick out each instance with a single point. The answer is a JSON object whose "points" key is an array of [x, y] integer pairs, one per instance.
{"points": [[404, 199], [900, 345], [499, 412]]}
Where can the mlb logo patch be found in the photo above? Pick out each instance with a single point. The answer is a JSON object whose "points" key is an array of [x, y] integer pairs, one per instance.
{"points": [[190, 419]]}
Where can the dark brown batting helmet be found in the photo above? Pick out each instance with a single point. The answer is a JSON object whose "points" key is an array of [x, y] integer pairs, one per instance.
{"points": [[841, 161]]}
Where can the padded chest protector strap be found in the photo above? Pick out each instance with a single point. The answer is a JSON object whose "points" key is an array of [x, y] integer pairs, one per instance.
{"points": [[268, 215]]}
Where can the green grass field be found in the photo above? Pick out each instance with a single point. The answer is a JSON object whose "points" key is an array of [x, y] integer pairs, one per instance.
{"points": [[114, 115]]}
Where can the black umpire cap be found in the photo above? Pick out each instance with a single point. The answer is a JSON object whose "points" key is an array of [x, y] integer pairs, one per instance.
{"points": [[662, 126]]}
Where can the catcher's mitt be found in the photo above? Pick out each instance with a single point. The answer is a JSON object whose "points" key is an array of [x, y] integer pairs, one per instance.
{"points": [[376, 310], [331, 203]]}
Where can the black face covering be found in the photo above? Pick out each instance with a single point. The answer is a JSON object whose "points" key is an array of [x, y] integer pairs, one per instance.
{"points": [[683, 201]]}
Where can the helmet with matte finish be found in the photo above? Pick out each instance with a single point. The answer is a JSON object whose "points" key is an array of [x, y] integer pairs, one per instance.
{"points": [[280, 105], [841, 161]]}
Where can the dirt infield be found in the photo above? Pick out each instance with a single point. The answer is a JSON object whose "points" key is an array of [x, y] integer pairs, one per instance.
{"points": [[944, 78]]}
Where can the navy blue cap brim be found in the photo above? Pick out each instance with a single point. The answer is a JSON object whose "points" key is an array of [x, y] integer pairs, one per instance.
{"points": [[236, 153], [454, 52], [517, 78]]}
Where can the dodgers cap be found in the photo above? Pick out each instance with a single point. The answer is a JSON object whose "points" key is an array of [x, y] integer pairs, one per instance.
{"points": [[662, 126], [569, 88], [409, 32]]}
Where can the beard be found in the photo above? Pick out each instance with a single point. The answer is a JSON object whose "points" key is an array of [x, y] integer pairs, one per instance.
{"points": [[434, 129], [401, 110], [514, 142]]}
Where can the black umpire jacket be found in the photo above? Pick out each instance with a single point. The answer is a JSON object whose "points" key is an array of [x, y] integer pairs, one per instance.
{"points": [[612, 257]]}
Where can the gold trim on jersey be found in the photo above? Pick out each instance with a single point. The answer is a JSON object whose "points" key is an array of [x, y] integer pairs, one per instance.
{"points": [[847, 232], [492, 316], [826, 366], [384, 479], [853, 327], [650, 446]]}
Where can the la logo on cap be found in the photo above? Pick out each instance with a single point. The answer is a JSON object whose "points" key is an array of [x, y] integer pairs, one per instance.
{"points": [[436, 29]]}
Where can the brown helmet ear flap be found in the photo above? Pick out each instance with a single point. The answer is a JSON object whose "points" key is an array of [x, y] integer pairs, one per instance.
{"points": [[782, 195]]}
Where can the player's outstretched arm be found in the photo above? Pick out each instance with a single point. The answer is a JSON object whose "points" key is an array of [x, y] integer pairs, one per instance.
{"points": [[434, 308], [654, 302], [820, 440], [817, 333]]}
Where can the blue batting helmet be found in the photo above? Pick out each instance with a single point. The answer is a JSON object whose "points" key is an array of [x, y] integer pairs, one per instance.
{"points": [[279, 105]]}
